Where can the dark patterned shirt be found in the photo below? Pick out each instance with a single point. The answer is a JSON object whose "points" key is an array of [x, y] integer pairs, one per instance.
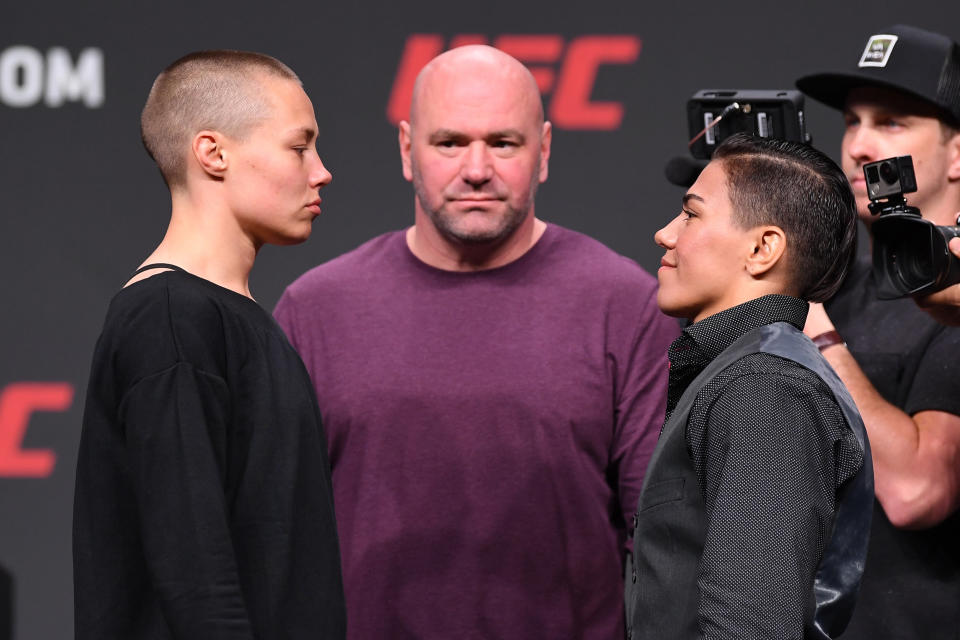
{"points": [[770, 448]]}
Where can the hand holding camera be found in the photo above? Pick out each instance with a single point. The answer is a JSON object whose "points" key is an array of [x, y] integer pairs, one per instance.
{"points": [[944, 306], [910, 255]]}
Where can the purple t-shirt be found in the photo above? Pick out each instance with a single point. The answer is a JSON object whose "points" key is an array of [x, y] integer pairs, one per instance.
{"points": [[488, 433]]}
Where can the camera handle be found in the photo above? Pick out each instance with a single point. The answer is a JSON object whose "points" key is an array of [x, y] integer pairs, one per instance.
{"points": [[893, 204]]}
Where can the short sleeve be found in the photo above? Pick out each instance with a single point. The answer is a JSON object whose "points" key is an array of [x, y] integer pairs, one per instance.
{"points": [[936, 381]]}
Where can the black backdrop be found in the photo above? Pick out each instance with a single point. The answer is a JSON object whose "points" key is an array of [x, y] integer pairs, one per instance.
{"points": [[81, 204]]}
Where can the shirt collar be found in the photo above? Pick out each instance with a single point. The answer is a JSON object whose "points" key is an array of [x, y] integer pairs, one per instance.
{"points": [[703, 341], [715, 333]]}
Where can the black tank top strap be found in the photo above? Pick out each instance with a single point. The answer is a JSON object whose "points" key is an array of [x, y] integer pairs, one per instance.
{"points": [[156, 265]]}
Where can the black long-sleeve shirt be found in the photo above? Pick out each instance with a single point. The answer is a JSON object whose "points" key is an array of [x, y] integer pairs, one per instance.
{"points": [[770, 448], [203, 504]]}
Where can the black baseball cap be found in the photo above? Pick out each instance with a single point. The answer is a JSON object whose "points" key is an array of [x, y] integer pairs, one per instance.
{"points": [[923, 64]]}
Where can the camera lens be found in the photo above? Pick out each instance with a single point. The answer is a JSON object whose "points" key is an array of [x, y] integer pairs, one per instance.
{"points": [[889, 173], [910, 259], [915, 269]]}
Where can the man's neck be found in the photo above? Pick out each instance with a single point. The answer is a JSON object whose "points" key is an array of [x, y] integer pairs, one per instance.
{"points": [[429, 246], [943, 213]]}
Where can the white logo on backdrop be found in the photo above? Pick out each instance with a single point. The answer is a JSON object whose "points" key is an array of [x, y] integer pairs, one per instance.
{"points": [[29, 77]]}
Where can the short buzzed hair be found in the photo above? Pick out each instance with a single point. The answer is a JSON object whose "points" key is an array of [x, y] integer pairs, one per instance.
{"points": [[216, 90], [802, 191]]}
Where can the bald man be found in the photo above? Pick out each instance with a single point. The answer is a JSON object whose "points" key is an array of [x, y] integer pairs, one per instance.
{"points": [[203, 504], [492, 384]]}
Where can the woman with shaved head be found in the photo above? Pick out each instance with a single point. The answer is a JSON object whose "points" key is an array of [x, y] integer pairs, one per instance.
{"points": [[203, 505]]}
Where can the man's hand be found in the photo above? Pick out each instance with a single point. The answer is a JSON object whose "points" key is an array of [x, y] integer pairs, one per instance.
{"points": [[944, 305]]}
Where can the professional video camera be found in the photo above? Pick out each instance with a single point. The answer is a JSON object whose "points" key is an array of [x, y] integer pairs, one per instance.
{"points": [[910, 254], [713, 115]]}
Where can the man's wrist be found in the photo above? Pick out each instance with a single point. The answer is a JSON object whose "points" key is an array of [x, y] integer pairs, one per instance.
{"points": [[828, 339]]}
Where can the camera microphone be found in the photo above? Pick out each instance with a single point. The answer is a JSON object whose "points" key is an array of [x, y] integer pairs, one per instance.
{"points": [[683, 171]]}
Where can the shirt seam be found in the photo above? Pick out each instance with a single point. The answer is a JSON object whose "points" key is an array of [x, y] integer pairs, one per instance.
{"points": [[142, 379]]}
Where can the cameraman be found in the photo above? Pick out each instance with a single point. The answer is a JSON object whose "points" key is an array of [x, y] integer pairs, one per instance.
{"points": [[901, 367], [944, 305]]}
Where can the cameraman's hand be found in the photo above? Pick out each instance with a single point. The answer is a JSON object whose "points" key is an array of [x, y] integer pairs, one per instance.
{"points": [[944, 305]]}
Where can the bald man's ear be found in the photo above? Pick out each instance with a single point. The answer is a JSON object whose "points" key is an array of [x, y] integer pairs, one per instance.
{"points": [[546, 136], [769, 245], [208, 149], [405, 141]]}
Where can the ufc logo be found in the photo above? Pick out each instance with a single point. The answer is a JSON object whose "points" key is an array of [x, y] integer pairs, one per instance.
{"points": [[570, 106], [18, 402]]}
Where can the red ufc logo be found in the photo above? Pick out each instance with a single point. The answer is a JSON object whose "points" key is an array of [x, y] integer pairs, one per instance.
{"points": [[570, 106], [18, 402]]}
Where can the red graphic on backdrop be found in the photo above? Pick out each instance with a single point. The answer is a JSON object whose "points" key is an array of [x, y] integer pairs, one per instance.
{"points": [[570, 106], [18, 402]]}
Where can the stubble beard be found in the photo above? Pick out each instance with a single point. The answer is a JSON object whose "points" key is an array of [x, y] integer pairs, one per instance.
{"points": [[447, 223]]}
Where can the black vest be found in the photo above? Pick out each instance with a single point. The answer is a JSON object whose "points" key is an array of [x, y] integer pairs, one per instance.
{"points": [[662, 594]]}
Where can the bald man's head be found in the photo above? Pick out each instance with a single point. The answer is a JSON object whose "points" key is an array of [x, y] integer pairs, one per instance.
{"points": [[463, 65], [476, 146]]}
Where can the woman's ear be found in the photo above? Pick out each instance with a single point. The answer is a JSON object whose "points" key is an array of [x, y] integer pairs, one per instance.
{"points": [[208, 149], [769, 245]]}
